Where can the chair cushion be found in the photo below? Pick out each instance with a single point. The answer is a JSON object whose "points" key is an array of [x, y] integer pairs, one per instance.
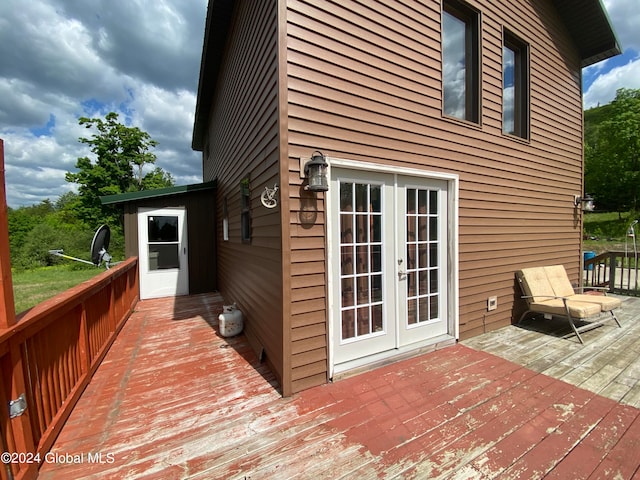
{"points": [[576, 309], [535, 283], [559, 280], [606, 303]]}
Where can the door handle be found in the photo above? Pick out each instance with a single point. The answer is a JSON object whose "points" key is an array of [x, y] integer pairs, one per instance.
{"points": [[401, 275]]}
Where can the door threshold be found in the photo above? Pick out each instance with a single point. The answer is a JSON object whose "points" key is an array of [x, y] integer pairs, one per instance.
{"points": [[371, 362]]}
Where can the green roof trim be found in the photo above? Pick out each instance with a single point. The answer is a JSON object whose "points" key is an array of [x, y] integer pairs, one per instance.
{"points": [[158, 192]]}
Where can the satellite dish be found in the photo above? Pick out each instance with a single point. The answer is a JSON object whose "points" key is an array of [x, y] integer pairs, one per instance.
{"points": [[99, 246]]}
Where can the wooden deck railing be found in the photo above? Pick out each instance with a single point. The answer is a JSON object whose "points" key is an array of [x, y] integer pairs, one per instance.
{"points": [[48, 357], [619, 271]]}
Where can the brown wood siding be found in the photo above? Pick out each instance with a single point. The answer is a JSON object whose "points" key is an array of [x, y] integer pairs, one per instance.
{"points": [[201, 235], [243, 141], [365, 84]]}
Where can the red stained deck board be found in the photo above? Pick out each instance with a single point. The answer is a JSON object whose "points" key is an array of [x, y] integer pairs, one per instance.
{"points": [[586, 457], [503, 413], [573, 422], [624, 459], [525, 425], [174, 400]]}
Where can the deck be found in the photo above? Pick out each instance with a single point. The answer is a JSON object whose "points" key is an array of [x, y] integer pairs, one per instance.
{"points": [[608, 364], [174, 400]]}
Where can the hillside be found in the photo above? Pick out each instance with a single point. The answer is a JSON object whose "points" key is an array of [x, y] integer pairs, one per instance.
{"points": [[593, 117]]}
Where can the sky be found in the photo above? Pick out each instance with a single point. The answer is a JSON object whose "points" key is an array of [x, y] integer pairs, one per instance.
{"points": [[64, 59]]}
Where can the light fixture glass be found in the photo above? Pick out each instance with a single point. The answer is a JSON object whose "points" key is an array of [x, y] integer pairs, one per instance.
{"points": [[586, 202], [316, 172]]}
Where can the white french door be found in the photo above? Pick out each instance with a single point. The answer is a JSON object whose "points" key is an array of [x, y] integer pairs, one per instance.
{"points": [[422, 259], [389, 257], [363, 316]]}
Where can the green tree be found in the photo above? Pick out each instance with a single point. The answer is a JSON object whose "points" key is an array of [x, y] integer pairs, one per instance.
{"points": [[36, 229], [121, 153], [23, 220], [157, 178], [34, 252], [65, 209], [612, 155]]}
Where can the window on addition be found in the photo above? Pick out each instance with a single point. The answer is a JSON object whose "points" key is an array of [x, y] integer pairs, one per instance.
{"points": [[245, 215]]}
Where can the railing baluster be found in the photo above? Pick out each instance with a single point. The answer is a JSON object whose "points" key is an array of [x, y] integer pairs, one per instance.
{"points": [[614, 269]]}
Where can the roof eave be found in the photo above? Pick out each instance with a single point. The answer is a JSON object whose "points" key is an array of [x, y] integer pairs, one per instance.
{"points": [[603, 55], [219, 14], [590, 27]]}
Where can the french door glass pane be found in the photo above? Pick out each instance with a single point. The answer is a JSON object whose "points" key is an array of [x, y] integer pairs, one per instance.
{"points": [[361, 225], [422, 236]]}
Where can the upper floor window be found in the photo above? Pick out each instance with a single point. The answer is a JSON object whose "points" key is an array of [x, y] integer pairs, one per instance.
{"points": [[515, 86], [460, 61]]}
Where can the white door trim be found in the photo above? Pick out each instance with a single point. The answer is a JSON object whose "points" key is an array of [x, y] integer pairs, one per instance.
{"points": [[452, 247]]}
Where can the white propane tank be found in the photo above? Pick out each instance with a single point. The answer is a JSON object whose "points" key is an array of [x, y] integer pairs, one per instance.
{"points": [[230, 321]]}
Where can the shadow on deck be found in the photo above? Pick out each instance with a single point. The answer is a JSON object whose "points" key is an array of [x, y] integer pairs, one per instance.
{"points": [[174, 400]]}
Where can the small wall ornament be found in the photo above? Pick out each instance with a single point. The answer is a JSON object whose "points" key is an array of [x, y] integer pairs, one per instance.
{"points": [[269, 196]]}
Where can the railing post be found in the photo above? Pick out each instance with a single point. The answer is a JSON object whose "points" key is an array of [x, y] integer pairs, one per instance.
{"points": [[21, 424], [612, 271], [7, 305]]}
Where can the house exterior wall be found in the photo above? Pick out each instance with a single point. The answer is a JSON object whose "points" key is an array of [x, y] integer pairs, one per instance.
{"points": [[242, 141], [365, 83]]}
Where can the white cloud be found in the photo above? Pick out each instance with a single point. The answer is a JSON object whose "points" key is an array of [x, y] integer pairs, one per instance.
{"points": [[36, 167], [168, 117], [604, 88], [18, 106]]}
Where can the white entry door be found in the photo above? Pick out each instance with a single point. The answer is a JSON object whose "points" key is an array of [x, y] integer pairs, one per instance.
{"points": [[162, 243], [389, 257]]}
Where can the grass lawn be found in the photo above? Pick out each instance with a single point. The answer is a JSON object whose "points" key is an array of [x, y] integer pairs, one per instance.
{"points": [[608, 231], [31, 287]]}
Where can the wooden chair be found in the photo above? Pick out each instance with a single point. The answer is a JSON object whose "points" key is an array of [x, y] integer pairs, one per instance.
{"points": [[548, 291]]}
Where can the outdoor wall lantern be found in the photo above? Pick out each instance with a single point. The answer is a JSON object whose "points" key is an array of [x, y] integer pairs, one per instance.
{"points": [[586, 202], [315, 170]]}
